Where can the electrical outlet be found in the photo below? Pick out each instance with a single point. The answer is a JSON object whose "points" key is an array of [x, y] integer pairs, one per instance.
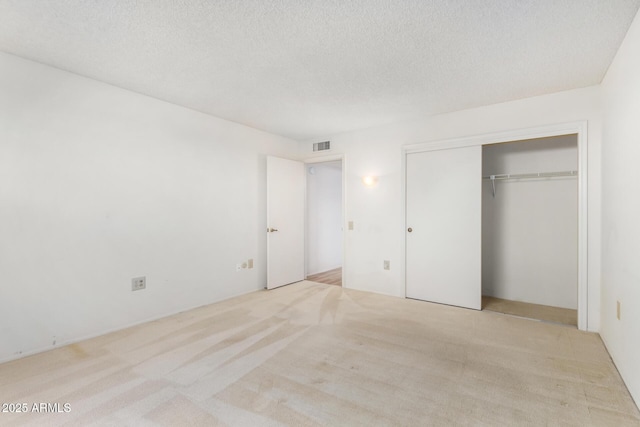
{"points": [[138, 283], [245, 265], [350, 225], [387, 265], [250, 263], [618, 309]]}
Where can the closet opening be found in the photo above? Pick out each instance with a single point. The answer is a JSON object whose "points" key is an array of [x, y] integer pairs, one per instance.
{"points": [[530, 228]]}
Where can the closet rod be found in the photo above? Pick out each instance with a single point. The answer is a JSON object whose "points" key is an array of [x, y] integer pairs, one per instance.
{"points": [[530, 175], [504, 176]]}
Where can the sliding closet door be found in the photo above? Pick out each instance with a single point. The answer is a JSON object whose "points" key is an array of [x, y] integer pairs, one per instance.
{"points": [[444, 227]]}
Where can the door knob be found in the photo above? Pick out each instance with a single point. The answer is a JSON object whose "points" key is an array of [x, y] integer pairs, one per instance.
{"points": [[409, 229], [271, 230]]}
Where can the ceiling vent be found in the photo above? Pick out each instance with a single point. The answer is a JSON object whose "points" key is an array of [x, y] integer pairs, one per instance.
{"points": [[321, 146]]}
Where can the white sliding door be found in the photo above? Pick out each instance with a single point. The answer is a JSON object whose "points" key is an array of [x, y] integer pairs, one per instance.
{"points": [[444, 227]]}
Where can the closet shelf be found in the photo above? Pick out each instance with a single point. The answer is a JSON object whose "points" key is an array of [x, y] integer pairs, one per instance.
{"points": [[505, 176]]}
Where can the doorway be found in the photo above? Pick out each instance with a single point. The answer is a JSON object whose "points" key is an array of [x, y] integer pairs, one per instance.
{"points": [[324, 231]]}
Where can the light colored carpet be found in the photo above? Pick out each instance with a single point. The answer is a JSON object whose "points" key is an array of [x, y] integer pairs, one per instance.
{"points": [[566, 316], [313, 354]]}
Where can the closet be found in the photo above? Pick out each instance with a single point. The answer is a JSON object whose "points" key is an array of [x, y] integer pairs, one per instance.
{"points": [[530, 228], [494, 222]]}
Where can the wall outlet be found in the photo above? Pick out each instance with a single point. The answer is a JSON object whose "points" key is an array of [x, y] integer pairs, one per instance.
{"points": [[138, 283], [244, 265], [618, 309], [350, 225], [387, 265]]}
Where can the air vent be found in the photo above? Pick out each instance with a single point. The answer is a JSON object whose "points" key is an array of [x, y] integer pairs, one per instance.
{"points": [[321, 146]]}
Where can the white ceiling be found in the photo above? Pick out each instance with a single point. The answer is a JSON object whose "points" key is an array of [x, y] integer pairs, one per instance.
{"points": [[307, 69]]}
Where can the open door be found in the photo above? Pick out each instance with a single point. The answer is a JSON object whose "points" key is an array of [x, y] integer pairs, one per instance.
{"points": [[444, 207], [285, 221]]}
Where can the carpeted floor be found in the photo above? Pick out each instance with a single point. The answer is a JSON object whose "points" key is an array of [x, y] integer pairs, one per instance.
{"points": [[314, 354]]}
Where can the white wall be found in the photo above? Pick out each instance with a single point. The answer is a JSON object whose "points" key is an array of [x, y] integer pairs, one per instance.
{"points": [[530, 227], [99, 185], [378, 212], [621, 210], [324, 217]]}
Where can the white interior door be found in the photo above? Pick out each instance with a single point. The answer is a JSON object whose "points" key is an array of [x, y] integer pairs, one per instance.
{"points": [[285, 221], [444, 227]]}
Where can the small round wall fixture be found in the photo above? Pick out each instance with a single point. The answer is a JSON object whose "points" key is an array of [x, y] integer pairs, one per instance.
{"points": [[369, 180]]}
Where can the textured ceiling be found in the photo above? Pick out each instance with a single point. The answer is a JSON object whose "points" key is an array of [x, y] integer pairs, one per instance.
{"points": [[305, 69]]}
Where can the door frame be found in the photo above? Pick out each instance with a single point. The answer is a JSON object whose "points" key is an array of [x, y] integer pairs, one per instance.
{"points": [[580, 129], [325, 159]]}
